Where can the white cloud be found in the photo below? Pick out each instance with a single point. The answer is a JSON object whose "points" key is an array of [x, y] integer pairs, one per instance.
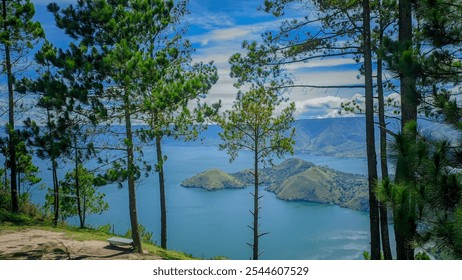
{"points": [[322, 103], [330, 62], [234, 34], [319, 107], [224, 35], [325, 106], [328, 78], [210, 21]]}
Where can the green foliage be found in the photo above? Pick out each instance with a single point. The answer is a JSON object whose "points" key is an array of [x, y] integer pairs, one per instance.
{"points": [[29, 214], [146, 236], [3, 179], [422, 256], [253, 125], [107, 228], [367, 256], [27, 171], [5, 199], [91, 201], [429, 191], [127, 60], [257, 67], [18, 36], [18, 31]]}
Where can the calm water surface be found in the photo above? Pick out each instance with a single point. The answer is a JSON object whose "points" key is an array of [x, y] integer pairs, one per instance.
{"points": [[208, 224]]}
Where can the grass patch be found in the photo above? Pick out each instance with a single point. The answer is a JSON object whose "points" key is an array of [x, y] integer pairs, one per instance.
{"points": [[16, 219]]}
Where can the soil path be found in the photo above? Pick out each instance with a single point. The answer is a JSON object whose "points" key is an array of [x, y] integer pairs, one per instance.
{"points": [[36, 244]]}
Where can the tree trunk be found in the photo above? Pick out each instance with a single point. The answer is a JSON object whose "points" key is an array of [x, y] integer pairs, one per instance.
{"points": [[383, 161], [408, 113], [255, 204], [11, 132], [385, 235], [370, 137], [131, 177], [407, 78], [54, 172], [54, 167], [400, 241], [77, 184], [84, 208], [163, 207], [19, 182], [5, 177]]}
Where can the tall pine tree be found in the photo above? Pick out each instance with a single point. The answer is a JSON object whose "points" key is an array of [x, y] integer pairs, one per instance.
{"points": [[18, 36]]}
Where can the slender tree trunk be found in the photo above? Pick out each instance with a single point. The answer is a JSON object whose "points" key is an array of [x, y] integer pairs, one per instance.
{"points": [[163, 207], [131, 177], [54, 172], [385, 235], [54, 167], [255, 205], [84, 208], [77, 184], [370, 137], [383, 161], [5, 177], [19, 183], [11, 132]]}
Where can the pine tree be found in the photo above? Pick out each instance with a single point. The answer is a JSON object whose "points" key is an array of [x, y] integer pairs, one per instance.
{"points": [[167, 114], [110, 31], [18, 36], [91, 201], [344, 31], [434, 189], [253, 124]]}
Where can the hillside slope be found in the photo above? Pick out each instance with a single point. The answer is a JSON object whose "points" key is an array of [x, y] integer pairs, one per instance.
{"points": [[294, 180], [213, 179]]}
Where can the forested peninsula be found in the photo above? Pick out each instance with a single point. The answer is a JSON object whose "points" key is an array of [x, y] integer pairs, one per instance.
{"points": [[293, 180]]}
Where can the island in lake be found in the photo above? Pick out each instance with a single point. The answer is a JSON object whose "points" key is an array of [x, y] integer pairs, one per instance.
{"points": [[294, 180]]}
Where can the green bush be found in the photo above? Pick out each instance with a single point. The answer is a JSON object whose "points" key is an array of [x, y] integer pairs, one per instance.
{"points": [[146, 236], [105, 228], [421, 256], [29, 213], [5, 200]]}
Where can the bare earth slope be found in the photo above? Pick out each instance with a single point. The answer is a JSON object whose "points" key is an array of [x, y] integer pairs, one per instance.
{"points": [[38, 244]]}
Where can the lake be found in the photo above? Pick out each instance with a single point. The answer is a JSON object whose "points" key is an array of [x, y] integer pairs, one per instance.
{"points": [[207, 224]]}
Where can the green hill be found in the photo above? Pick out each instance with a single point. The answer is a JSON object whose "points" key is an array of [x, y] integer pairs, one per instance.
{"points": [[314, 185], [294, 180], [213, 179], [325, 185]]}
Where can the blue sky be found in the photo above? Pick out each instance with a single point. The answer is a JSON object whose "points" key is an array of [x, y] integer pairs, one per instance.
{"points": [[217, 29]]}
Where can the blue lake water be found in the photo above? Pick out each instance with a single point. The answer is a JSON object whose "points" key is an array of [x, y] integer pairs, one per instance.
{"points": [[208, 224]]}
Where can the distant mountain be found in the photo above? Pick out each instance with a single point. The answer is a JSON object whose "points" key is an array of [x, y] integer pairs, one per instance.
{"points": [[341, 137], [294, 180], [338, 137]]}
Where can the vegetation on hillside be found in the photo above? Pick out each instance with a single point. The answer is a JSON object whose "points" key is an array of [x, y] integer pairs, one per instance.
{"points": [[294, 180]]}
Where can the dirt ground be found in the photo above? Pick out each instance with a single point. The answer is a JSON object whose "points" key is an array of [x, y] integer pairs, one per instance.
{"points": [[35, 244]]}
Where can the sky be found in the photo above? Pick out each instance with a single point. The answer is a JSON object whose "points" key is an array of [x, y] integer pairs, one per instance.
{"points": [[217, 30]]}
